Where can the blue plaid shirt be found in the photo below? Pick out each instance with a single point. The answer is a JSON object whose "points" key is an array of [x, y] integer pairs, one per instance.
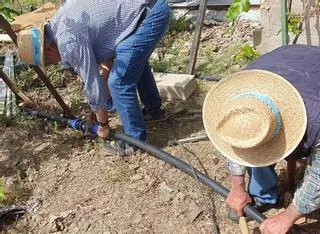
{"points": [[87, 32]]}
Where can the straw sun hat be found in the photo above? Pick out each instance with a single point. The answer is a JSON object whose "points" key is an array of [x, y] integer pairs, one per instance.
{"points": [[254, 117], [30, 45]]}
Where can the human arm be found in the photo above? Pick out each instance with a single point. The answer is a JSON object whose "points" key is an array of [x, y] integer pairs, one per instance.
{"points": [[238, 198], [106, 69], [306, 200], [77, 51]]}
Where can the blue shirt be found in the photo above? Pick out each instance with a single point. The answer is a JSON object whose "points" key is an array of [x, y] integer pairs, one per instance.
{"points": [[87, 32]]}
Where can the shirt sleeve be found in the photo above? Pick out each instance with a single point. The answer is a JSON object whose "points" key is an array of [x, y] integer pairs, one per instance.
{"points": [[236, 169], [307, 196], [77, 51]]}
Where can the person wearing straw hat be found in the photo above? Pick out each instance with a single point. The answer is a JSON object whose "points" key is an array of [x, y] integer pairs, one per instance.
{"points": [[266, 113], [120, 35]]}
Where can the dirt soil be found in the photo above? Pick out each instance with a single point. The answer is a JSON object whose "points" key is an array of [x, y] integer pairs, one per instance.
{"points": [[72, 187]]}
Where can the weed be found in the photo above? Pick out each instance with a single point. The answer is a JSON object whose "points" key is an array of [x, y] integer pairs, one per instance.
{"points": [[294, 21], [26, 78], [88, 145], [215, 63], [246, 54], [7, 12], [76, 100], [179, 25], [54, 126], [121, 172], [56, 76], [236, 8], [219, 64], [172, 59], [2, 192]]}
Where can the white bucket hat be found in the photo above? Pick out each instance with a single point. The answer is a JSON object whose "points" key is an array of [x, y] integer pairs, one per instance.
{"points": [[254, 117]]}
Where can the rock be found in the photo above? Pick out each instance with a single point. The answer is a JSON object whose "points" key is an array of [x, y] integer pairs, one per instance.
{"points": [[41, 147], [167, 194], [184, 52], [134, 167], [194, 211], [136, 177], [74, 166], [216, 15], [209, 22], [235, 68], [165, 188], [154, 56]]}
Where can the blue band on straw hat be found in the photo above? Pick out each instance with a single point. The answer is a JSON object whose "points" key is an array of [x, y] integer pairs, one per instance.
{"points": [[36, 46]]}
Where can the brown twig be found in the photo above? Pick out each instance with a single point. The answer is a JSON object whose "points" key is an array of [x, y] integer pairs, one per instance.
{"points": [[215, 225]]}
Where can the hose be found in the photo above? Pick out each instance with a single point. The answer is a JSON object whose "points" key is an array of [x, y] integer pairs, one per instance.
{"points": [[189, 170], [82, 125]]}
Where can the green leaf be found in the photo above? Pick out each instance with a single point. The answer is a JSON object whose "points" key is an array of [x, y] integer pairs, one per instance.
{"points": [[236, 8], [247, 53], [13, 11], [245, 4], [2, 192]]}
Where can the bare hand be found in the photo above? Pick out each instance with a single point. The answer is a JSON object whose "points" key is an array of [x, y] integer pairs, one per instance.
{"points": [[280, 223], [104, 132], [237, 200]]}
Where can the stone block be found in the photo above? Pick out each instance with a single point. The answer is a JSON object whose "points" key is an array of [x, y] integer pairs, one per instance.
{"points": [[175, 86]]}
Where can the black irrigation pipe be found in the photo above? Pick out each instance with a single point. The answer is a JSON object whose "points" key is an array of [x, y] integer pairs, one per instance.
{"points": [[158, 153]]}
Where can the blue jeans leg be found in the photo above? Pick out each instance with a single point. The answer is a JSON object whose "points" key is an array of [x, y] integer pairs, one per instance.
{"points": [[131, 71], [263, 184], [148, 92]]}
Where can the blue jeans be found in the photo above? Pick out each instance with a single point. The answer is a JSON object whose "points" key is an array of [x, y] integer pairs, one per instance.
{"points": [[263, 184], [131, 71]]}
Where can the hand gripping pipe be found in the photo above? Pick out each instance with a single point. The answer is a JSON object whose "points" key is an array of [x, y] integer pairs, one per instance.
{"points": [[80, 124]]}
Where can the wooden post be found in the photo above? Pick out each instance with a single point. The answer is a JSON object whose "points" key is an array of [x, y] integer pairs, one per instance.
{"points": [[291, 174], [284, 24], [7, 27], [197, 36], [16, 90]]}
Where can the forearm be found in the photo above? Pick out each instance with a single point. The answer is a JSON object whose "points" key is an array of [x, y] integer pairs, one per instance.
{"points": [[102, 116], [292, 214], [238, 182], [106, 69]]}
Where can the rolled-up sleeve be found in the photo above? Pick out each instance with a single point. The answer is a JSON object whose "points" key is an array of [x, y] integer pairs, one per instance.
{"points": [[236, 169], [77, 51], [307, 196]]}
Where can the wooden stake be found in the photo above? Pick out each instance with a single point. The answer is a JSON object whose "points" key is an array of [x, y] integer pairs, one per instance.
{"points": [[16, 90], [197, 36], [243, 225]]}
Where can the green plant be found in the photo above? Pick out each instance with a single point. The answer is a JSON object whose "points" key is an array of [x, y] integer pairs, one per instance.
{"points": [[217, 64], [179, 25], [2, 192], [236, 8], [294, 22], [247, 54], [56, 75], [26, 78], [76, 99], [7, 12]]}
